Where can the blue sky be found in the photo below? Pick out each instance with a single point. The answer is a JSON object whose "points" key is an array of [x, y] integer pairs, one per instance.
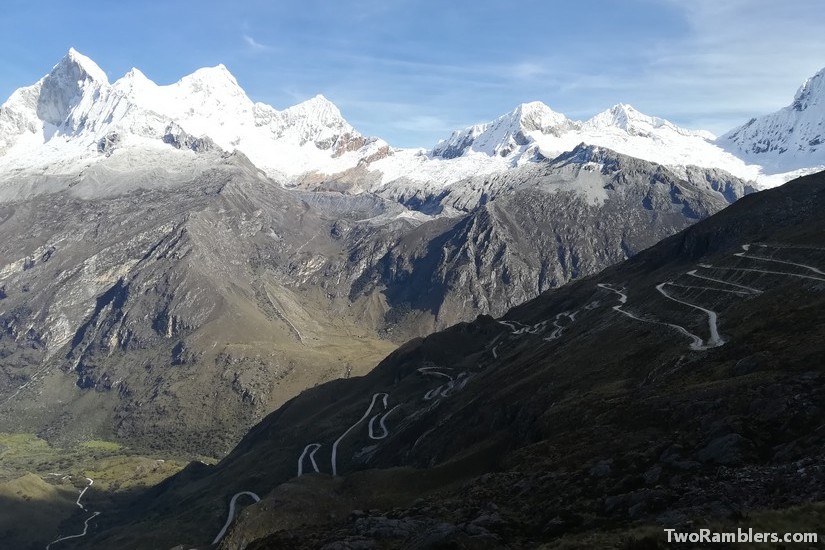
{"points": [[412, 71]]}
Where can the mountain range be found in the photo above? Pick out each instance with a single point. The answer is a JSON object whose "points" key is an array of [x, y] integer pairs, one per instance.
{"points": [[177, 262], [74, 118]]}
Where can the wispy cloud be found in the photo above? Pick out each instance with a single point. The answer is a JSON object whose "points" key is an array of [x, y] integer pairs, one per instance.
{"points": [[254, 45]]}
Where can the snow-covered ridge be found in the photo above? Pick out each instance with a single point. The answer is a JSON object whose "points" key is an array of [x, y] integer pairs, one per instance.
{"points": [[625, 117], [769, 150], [534, 130]]}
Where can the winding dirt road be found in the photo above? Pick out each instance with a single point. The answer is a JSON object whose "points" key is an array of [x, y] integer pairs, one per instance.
{"points": [[366, 415], [696, 342], [715, 340], [382, 418], [231, 514], [315, 447], [85, 523]]}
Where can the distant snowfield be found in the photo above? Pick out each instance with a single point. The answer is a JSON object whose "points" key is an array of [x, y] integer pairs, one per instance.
{"points": [[74, 126]]}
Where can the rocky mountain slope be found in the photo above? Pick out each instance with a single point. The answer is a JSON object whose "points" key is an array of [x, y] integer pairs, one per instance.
{"points": [[556, 425], [128, 315], [129, 305], [538, 227]]}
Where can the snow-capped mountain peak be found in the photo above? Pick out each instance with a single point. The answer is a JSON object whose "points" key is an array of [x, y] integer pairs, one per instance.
{"points": [[619, 116], [133, 83], [72, 83], [534, 128], [533, 131], [536, 116], [316, 112], [134, 75], [81, 63], [628, 119], [792, 138], [318, 102], [625, 117], [215, 79], [510, 135], [316, 120]]}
